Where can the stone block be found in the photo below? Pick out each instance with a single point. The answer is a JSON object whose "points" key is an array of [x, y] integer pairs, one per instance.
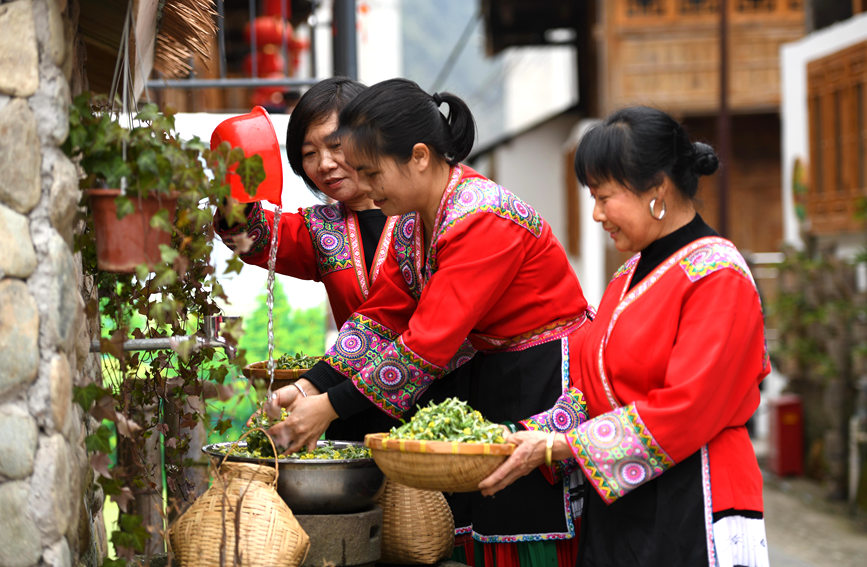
{"points": [[58, 555], [20, 152], [19, 335], [18, 259], [19, 55], [20, 540], [54, 284], [343, 539], [48, 16], [50, 504], [18, 436], [60, 376], [65, 196]]}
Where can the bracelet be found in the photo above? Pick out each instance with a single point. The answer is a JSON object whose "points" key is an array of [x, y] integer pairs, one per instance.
{"points": [[549, 447], [300, 389], [510, 425]]}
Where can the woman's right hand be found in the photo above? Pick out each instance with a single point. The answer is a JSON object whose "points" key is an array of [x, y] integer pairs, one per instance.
{"points": [[284, 398]]}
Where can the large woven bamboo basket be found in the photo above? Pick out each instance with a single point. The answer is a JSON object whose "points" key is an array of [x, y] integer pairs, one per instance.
{"points": [[417, 526], [446, 466], [239, 520]]}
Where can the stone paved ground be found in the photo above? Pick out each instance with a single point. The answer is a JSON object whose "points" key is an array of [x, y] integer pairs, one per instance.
{"points": [[805, 529]]}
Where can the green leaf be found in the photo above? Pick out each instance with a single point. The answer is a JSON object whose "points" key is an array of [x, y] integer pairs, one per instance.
{"points": [[131, 534], [85, 396], [100, 440], [124, 206], [233, 264], [161, 221], [166, 278], [223, 425], [252, 173], [168, 254]]}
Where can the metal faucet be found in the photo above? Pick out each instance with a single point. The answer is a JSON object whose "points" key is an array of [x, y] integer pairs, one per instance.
{"points": [[212, 339]]}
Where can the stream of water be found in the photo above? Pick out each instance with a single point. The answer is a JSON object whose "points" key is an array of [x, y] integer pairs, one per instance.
{"points": [[272, 261]]}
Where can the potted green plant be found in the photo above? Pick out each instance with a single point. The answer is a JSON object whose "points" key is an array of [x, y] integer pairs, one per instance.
{"points": [[149, 403], [133, 178]]}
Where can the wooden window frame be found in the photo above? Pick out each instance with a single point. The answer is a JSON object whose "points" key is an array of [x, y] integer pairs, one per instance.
{"points": [[837, 121]]}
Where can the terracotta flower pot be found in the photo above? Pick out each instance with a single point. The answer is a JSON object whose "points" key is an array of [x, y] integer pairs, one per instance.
{"points": [[123, 244]]}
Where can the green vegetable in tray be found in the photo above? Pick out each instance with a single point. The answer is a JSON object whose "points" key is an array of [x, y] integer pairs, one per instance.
{"points": [[287, 361], [450, 420]]}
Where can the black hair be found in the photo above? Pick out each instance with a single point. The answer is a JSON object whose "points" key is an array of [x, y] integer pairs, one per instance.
{"points": [[636, 145], [390, 117], [322, 99]]}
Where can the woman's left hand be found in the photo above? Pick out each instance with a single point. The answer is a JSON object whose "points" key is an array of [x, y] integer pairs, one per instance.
{"points": [[527, 456], [308, 419]]}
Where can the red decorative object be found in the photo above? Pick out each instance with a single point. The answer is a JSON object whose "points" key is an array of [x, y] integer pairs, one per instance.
{"points": [[123, 244], [269, 31], [267, 63], [786, 436]]}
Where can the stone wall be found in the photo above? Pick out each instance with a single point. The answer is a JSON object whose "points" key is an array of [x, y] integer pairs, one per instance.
{"points": [[50, 513]]}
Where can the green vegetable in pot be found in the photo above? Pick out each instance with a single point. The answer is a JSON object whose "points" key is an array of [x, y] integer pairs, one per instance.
{"points": [[450, 420], [257, 442]]}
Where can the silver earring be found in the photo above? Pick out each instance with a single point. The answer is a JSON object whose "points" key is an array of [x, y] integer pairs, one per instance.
{"points": [[653, 205]]}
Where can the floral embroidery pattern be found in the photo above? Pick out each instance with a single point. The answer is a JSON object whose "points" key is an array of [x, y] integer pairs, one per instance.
{"points": [[327, 227], [626, 267], [465, 352], [569, 411], [477, 195], [384, 369], [550, 332], [711, 258], [618, 452], [256, 230], [407, 249]]}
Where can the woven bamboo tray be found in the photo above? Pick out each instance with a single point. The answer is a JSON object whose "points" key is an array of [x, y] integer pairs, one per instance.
{"points": [[257, 373], [447, 466]]}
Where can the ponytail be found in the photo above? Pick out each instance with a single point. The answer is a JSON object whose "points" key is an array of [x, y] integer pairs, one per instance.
{"points": [[390, 117]]}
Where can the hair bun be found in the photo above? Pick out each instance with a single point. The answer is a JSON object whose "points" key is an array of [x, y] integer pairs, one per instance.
{"points": [[706, 161]]}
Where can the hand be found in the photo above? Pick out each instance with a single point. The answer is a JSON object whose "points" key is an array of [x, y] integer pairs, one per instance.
{"points": [[527, 456], [308, 419], [283, 398]]}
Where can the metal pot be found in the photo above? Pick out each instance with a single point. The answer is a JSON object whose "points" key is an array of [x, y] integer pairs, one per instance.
{"points": [[319, 486]]}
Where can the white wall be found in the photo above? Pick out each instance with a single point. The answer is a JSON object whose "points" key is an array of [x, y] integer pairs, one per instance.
{"points": [[539, 82], [379, 47], [795, 134], [378, 40]]}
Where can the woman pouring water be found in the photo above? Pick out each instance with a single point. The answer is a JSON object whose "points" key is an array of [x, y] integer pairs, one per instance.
{"points": [[342, 244]]}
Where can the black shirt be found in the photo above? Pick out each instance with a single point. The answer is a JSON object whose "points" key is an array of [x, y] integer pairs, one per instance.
{"points": [[658, 250]]}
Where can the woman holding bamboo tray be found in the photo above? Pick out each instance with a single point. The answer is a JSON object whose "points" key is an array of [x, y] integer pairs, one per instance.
{"points": [[670, 367], [470, 259], [342, 244]]}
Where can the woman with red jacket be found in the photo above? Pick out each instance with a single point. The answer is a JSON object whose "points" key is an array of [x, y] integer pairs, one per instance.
{"points": [[669, 368]]}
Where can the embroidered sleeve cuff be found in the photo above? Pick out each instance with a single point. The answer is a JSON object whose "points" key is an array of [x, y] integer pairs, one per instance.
{"points": [[617, 452], [255, 230], [383, 369], [568, 412]]}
